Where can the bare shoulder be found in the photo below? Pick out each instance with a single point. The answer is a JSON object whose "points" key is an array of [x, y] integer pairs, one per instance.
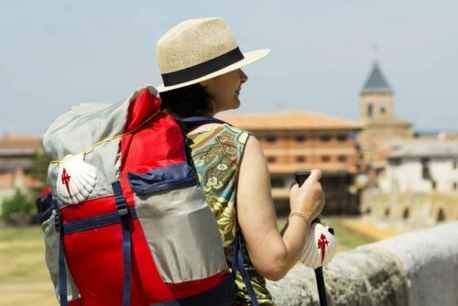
{"points": [[253, 149], [254, 174]]}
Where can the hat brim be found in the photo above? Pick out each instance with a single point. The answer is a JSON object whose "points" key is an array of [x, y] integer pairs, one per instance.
{"points": [[249, 57]]}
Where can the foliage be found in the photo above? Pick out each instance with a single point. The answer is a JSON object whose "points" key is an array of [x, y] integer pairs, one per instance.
{"points": [[18, 210], [39, 168]]}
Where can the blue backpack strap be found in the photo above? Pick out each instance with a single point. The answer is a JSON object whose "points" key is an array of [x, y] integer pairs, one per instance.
{"points": [[238, 264], [124, 213], [200, 120], [190, 123]]}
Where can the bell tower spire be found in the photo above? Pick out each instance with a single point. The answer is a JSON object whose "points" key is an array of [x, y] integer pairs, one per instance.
{"points": [[376, 96]]}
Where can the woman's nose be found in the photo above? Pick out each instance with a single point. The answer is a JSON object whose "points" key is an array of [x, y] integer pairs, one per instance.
{"points": [[243, 76]]}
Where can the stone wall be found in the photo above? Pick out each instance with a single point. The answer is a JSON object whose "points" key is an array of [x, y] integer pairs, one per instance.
{"points": [[414, 269], [410, 209]]}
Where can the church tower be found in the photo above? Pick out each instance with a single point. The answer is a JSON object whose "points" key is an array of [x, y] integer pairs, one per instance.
{"points": [[377, 98], [381, 126]]}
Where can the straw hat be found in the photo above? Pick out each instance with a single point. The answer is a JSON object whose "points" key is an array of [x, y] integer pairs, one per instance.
{"points": [[196, 50]]}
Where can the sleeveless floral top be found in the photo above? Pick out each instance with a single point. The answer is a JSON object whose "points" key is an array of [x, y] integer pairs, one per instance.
{"points": [[216, 155]]}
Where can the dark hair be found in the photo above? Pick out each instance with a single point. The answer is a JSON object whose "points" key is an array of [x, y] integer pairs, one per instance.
{"points": [[187, 101]]}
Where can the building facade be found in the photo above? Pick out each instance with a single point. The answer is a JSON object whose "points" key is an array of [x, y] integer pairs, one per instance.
{"points": [[426, 166], [16, 159], [419, 185], [296, 141]]}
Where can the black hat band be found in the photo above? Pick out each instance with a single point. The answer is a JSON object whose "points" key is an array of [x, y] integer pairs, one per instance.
{"points": [[202, 69]]}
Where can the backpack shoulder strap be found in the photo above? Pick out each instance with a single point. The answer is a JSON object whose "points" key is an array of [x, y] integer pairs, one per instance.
{"points": [[191, 123]]}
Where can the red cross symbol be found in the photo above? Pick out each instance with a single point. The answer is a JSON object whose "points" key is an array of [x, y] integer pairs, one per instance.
{"points": [[66, 180], [322, 243]]}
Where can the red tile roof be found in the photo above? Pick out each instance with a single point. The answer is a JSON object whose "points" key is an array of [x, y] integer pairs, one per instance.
{"points": [[11, 142], [289, 121]]}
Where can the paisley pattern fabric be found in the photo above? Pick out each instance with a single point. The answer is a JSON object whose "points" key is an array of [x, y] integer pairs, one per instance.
{"points": [[216, 155]]}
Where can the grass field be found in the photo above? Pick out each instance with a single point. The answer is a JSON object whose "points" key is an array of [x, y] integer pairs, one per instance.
{"points": [[24, 280]]}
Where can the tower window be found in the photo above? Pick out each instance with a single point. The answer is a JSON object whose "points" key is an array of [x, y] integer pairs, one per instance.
{"points": [[300, 138], [370, 110], [382, 110]]}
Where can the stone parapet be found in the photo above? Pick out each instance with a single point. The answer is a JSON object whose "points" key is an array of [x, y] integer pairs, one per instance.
{"points": [[418, 268]]}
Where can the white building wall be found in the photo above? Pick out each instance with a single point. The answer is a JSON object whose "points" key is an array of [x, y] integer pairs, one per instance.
{"points": [[408, 176], [444, 173]]}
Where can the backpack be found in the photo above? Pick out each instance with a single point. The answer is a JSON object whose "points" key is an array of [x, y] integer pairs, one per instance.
{"points": [[125, 221]]}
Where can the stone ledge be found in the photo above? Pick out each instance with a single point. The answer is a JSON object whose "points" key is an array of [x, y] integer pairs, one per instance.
{"points": [[415, 269]]}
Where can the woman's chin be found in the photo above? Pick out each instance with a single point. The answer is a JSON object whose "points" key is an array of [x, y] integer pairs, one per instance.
{"points": [[236, 103]]}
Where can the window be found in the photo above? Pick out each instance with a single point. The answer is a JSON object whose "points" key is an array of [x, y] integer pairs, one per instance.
{"points": [[370, 110], [301, 159], [406, 214], [434, 184], [455, 164], [382, 110], [300, 138], [455, 186], [325, 158], [387, 212], [271, 159], [342, 158], [325, 138], [271, 138], [342, 138], [440, 216], [425, 169]]}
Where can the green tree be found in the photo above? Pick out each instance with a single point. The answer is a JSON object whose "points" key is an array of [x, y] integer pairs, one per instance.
{"points": [[40, 164], [18, 210]]}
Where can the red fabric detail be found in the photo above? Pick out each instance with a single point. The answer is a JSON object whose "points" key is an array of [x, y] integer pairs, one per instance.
{"points": [[77, 302], [95, 260], [322, 244], [45, 191], [186, 289], [159, 144], [90, 208], [143, 107], [66, 180]]}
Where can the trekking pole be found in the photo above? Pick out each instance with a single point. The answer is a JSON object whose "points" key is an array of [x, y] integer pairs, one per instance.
{"points": [[300, 178]]}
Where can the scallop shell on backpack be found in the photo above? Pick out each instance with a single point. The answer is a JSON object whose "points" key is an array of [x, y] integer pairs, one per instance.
{"points": [[76, 179]]}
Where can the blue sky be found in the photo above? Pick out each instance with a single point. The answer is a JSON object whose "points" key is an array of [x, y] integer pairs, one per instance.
{"points": [[54, 54]]}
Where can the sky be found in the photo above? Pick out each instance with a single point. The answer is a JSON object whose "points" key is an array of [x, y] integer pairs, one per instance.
{"points": [[55, 54]]}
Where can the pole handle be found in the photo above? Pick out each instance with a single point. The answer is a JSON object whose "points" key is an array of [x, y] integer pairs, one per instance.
{"points": [[300, 178]]}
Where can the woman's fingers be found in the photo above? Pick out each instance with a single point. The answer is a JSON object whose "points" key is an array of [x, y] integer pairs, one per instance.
{"points": [[314, 177]]}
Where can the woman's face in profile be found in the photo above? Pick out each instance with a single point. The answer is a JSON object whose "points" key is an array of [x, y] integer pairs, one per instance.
{"points": [[225, 90]]}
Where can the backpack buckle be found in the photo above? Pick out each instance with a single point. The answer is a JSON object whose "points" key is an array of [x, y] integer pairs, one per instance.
{"points": [[123, 211]]}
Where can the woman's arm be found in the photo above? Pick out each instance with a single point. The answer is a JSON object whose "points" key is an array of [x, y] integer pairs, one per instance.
{"points": [[271, 254]]}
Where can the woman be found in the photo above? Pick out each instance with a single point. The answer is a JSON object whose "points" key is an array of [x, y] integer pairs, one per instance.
{"points": [[201, 68]]}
